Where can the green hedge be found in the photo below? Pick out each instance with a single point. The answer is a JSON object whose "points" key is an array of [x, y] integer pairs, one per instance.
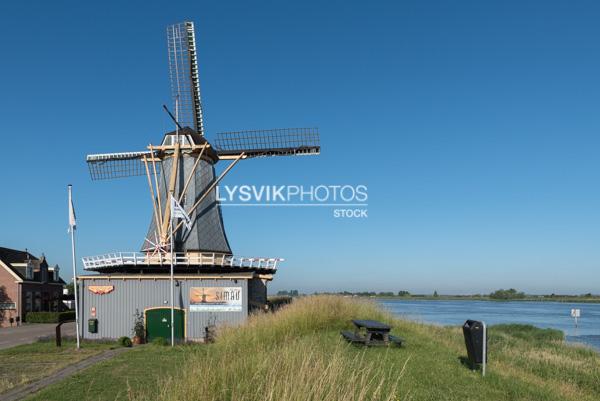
{"points": [[49, 317], [124, 341], [277, 301]]}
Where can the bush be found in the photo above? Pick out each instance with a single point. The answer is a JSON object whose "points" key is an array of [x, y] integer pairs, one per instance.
{"points": [[49, 317], [160, 341], [138, 325], [507, 294], [276, 302], [124, 342]]}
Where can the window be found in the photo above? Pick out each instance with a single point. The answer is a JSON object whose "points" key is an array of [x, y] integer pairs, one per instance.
{"points": [[55, 302], [29, 270], [37, 302], [28, 302], [45, 302]]}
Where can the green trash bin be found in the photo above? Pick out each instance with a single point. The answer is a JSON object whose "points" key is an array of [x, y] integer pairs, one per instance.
{"points": [[93, 325]]}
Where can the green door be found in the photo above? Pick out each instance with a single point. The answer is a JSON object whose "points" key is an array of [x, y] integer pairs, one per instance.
{"points": [[158, 323]]}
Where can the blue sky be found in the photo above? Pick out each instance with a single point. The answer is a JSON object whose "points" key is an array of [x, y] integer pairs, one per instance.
{"points": [[474, 126]]}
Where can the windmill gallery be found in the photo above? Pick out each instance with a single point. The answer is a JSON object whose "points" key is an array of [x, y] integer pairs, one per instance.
{"points": [[207, 284]]}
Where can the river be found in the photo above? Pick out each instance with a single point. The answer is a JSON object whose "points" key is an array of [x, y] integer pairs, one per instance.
{"points": [[556, 315]]}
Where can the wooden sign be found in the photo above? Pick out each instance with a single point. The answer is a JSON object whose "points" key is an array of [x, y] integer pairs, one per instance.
{"points": [[101, 289]]}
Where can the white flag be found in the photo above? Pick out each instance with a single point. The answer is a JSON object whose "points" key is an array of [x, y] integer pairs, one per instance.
{"points": [[178, 212], [72, 222]]}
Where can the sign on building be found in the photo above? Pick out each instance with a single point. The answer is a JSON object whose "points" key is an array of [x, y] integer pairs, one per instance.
{"points": [[216, 299], [101, 289], [8, 305]]}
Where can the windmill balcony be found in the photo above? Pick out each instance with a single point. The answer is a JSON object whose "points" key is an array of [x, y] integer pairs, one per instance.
{"points": [[138, 259]]}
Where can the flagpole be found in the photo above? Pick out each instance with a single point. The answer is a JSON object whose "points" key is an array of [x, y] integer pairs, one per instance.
{"points": [[172, 239], [72, 230], [172, 295], [177, 212]]}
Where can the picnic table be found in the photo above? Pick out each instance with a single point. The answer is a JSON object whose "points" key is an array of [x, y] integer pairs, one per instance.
{"points": [[371, 332]]}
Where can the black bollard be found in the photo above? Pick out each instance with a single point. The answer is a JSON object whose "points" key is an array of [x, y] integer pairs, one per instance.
{"points": [[58, 337]]}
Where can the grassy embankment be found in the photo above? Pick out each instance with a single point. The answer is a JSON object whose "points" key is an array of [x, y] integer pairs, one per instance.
{"points": [[26, 363], [297, 354]]}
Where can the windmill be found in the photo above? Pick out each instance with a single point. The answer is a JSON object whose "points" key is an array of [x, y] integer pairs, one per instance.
{"points": [[183, 165]]}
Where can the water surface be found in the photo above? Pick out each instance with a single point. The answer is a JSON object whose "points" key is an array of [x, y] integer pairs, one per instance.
{"points": [[556, 315]]}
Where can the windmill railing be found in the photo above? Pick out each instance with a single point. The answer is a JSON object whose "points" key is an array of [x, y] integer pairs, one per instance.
{"points": [[139, 259]]}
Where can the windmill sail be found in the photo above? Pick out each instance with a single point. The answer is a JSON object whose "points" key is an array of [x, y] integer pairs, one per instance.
{"points": [[183, 70], [273, 142], [118, 165]]}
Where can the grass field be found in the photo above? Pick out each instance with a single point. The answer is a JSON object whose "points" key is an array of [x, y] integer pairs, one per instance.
{"points": [[139, 371], [297, 354], [30, 362]]}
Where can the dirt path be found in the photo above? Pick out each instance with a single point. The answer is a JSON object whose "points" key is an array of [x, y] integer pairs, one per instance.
{"points": [[21, 392]]}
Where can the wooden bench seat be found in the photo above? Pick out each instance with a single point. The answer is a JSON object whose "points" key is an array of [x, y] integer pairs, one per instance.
{"points": [[396, 340], [352, 337]]}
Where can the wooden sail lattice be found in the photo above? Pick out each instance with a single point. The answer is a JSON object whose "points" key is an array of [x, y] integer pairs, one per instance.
{"points": [[117, 165], [183, 72], [273, 142]]}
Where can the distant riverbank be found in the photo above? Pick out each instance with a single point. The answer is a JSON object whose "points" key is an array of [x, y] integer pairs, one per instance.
{"points": [[501, 295], [529, 298]]}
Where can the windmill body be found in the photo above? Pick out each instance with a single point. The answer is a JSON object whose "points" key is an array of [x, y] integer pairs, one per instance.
{"points": [[194, 174], [182, 168], [183, 165]]}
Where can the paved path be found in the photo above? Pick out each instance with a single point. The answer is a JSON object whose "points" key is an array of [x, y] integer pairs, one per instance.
{"points": [[21, 392], [29, 333]]}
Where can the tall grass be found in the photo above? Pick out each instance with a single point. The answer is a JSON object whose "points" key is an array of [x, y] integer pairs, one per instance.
{"points": [[282, 356], [526, 332], [306, 315]]}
